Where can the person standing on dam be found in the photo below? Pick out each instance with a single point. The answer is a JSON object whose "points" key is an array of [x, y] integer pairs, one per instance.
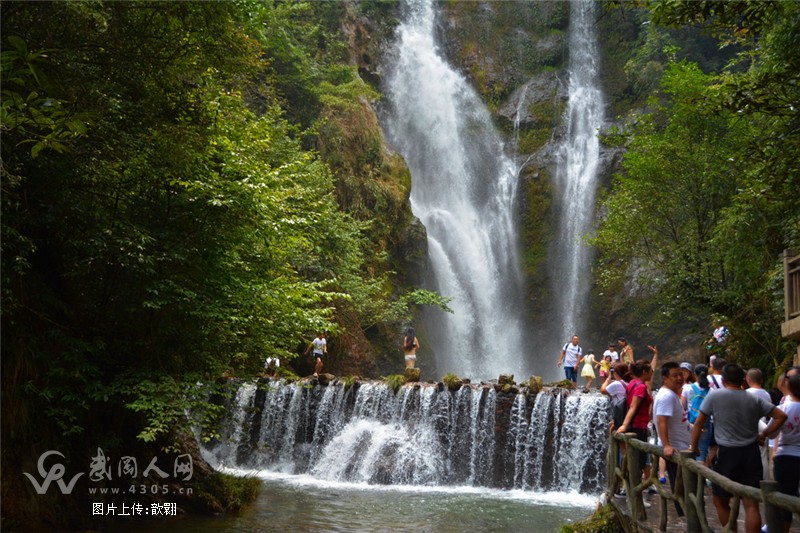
{"points": [[570, 355]]}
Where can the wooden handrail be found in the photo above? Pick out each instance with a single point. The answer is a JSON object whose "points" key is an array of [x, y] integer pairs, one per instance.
{"points": [[690, 483]]}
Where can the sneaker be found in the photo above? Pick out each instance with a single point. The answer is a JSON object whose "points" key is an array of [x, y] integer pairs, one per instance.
{"points": [[662, 479], [646, 505], [651, 490], [621, 494]]}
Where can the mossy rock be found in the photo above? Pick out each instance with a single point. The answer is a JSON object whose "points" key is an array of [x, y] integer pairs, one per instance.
{"points": [[506, 379], [325, 379], [534, 384], [563, 384], [604, 520], [349, 381], [412, 374], [453, 382], [395, 381], [509, 388], [226, 493]]}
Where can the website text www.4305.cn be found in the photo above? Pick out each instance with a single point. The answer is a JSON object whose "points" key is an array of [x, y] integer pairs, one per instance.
{"points": [[142, 488]]}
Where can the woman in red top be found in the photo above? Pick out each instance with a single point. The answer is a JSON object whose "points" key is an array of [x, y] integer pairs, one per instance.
{"points": [[640, 402]]}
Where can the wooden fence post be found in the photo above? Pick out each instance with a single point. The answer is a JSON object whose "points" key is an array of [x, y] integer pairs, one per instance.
{"points": [[611, 466], [772, 514], [635, 503], [690, 496]]}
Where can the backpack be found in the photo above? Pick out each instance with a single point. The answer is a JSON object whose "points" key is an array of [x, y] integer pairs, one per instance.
{"points": [[619, 408], [697, 401]]}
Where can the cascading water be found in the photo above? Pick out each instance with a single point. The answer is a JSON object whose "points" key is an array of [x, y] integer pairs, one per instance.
{"points": [[464, 193], [576, 180], [422, 435]]}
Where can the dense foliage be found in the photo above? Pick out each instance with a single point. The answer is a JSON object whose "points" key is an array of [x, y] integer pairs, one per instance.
{"points": [[708, 197], [165, 217]]}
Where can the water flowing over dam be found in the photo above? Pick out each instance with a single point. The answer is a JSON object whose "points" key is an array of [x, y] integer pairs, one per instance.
{"points": [[424, 434]]}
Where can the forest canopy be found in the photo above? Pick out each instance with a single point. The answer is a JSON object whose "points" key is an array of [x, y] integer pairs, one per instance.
{"points": [[167, 218]]}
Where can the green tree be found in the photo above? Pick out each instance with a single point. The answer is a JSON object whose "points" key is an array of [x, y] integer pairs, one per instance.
{"points": [[731, 262], [162, 221], [680, 171], [168, 224]]}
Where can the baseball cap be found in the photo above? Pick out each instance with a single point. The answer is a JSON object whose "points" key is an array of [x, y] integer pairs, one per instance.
{"points": [[687, 366]]}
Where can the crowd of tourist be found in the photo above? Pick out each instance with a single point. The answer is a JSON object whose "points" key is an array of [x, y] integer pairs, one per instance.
{"points": [[720, 412]]}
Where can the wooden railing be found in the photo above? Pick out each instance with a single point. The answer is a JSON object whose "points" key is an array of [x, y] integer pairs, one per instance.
{"points": [[690, 486], [791, 284]]}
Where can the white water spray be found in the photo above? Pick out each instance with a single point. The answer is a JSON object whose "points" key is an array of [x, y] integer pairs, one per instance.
{"points": [[422, 435], [464, 192], [576, 178]]}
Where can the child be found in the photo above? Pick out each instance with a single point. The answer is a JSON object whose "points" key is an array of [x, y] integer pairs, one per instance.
{"points": [[605, 367], [612, 352], [588, 369]]}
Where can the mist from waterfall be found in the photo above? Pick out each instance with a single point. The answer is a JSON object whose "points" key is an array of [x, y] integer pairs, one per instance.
{"points": [[576, 182], [464, 189]]}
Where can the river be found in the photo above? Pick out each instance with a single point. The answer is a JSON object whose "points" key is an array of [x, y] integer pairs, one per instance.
{"points": [[303, 503]]}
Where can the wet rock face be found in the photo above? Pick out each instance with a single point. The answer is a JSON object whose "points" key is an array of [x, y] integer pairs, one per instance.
{"points": [[523, 103], [499, 45]]}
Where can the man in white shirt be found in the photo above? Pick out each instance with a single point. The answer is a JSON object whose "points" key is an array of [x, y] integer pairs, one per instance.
{"points": [[320, 346], [570, 354], [674, 433], [755, 379], [755, 384], [715, 379]]}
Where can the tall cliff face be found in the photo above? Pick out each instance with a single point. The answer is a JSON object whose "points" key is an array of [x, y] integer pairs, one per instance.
{"points": [[516, 56], [373, 184]]}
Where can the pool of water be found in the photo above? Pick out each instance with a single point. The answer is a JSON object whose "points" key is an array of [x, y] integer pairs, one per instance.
{"points": [[302, 503]]}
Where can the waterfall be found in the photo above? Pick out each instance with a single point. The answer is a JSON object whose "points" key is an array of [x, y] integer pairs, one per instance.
{"points": [[578, 161], [423, 434], [463, 191]]}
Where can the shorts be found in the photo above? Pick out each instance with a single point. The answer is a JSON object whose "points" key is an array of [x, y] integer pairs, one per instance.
{"points": [[787, 474], [318, 355], [571, 373], [706, 439], [411, 357], [741, 464]]}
